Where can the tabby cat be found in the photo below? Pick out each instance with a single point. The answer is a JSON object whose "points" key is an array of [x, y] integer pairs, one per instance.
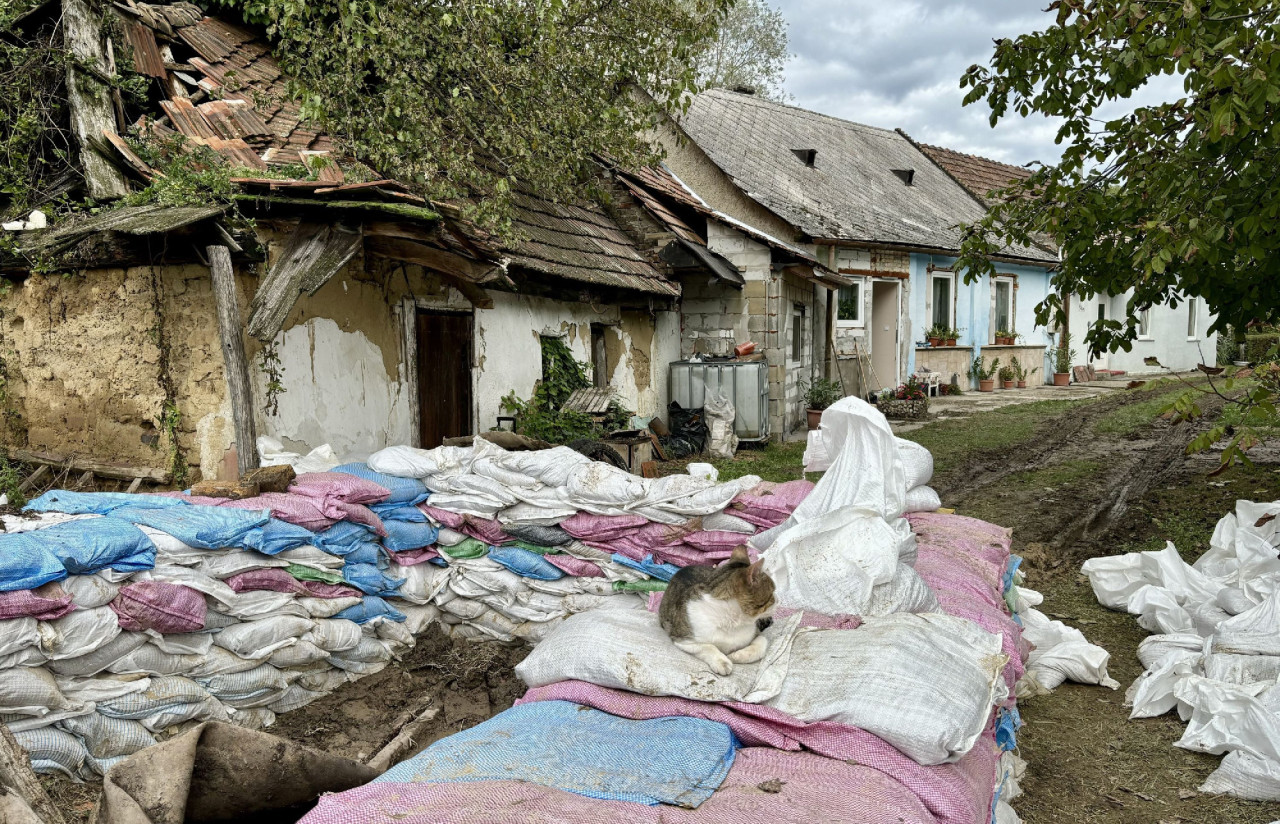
{"points": [[718, 613]]}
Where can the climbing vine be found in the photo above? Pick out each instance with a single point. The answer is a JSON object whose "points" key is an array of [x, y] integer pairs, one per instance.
{"points": [[542, 416], [273, 370]]}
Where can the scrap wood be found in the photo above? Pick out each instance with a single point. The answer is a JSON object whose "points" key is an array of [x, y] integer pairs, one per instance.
{"points": [[35, 477], [119, 472], [403, 741], [16, 775]]}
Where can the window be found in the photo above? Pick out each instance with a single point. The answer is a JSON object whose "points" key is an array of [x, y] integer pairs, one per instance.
{"points": [[1003, 319], [942, 299], [1102, 310], [797, 333], [1192, 331], [849, 305], [599, 367], [1144, 323]]}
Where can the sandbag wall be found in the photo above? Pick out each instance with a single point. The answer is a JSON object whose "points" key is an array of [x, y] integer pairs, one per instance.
{"points": [[128, 618]]}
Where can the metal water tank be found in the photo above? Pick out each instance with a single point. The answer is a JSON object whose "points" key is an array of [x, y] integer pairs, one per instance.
{"points": [[745, 382]]}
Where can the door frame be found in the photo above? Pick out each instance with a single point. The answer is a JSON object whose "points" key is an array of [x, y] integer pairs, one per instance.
{"points": [[897, 320], [408, 311]]}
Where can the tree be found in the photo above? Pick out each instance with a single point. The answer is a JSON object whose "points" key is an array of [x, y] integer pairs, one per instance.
{"points": [[1170, 201], [749, 50], [466, 99]]}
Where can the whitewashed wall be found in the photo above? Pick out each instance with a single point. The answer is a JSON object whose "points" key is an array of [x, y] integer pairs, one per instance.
{"points": [[1167, 339]]}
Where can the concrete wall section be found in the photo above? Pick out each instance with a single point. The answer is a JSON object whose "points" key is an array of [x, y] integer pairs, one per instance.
{"points": [[1170, 335]]}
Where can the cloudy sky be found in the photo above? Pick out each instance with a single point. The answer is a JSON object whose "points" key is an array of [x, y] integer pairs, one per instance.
{"points": [[897, 64]]}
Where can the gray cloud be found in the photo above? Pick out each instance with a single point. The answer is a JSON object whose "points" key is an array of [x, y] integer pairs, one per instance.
{"points": [[898, 64]]}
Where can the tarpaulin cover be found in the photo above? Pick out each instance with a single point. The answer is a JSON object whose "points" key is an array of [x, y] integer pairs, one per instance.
{"points": [[958, 793], [95, 503], [402, 490], [44, 604], [525, 563], [155, 605], [560, 744], [202, 527], [810, 789]]}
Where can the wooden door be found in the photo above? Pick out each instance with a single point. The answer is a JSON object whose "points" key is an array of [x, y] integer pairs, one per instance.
{"points": [[444, 376]]}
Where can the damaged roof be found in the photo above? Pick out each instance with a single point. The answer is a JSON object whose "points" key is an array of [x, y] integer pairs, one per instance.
{"points": [[834, 179], [979, 175], [231, 96]]}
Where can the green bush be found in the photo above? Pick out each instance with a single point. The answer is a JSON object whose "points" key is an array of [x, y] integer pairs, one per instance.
{"points": [[1260, 348], [542, 416]]}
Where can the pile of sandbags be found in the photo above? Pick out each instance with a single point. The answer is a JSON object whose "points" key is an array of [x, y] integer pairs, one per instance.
{"points": [[1215, 654]]}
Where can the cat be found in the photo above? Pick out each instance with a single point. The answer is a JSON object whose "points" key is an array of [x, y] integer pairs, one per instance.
{"points": [[718, 613]]}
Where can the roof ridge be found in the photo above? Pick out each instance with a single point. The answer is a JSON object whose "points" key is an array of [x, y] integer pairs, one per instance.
{"points": [[763, 103]]}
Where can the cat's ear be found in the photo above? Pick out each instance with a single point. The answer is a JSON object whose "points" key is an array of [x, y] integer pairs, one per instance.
{"points": [[739, 555], [754, 572]]}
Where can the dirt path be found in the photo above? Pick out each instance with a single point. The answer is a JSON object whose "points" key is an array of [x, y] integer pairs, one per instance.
{"points": [[1078, 489]]}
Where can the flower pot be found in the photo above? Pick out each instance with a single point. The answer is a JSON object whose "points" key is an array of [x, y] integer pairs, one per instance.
{"points": [[987, 385], [1004, 341], [951, 341], [814, 416], [1061, 378], [935, 341], [1006, 384], [1022, 384]]}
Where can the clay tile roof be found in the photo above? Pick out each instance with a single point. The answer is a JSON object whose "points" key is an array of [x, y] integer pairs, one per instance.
{"points": [[979, 175]]}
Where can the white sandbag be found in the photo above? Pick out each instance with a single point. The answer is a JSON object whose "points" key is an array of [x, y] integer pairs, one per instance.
{"points": [[105, 737], [595, 485], [1242, 669], [170, 550], [1062, 653], [101, 658], [815, 458], [334, 634], [724, 522], [846, 561], [1206, 617], [719, 414], [219, 661], [1227, 717], [923, 499], [422, 582], [1154, 649], [231, 685], [103, 688], [209, 710], [258, 639], [182, 643], [310, 556], [463, 608], [396, 635], [447, 537], [31, 691], [323, 680], [1253, 632], [31, 521], [410, 462], [215, 620], [261, 603], [917, 462], [78, 633], [496, 625], [300, 654], [370, 650], [1115, 578], [255, 718], [418, 618], [1247, 775], [1159, 611], [191, 578], [1233, 601], [17, 634], [149, 659], [704, 471], [551, 467], [20, 723], [293, 698], [1155, 691], [161, 694], [223, 565], [866, 470], [329, 607], [89, 591], [29, 657], [53, 750]]}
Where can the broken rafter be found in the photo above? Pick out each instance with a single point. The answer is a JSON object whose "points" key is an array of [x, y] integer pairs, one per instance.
{"points": [[105, 470], [315, 253], [89, 98], [235, 364]]}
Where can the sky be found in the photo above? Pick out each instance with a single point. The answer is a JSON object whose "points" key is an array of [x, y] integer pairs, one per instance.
{"points": [[898, 63]]}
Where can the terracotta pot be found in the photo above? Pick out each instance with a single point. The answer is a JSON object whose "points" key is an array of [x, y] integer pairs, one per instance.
{"points": [[1061, 378], [1022, 384], [814, 416], [951, 341], [1004, 341], [1006, 384], [935, 341], [987, 385]]}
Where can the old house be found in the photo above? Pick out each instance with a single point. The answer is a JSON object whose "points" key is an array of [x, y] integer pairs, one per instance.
{"points": [[870, 205], [318, 304]]}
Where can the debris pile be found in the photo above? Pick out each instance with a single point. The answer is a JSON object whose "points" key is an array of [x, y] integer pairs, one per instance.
{"points": [[1215, 654]]}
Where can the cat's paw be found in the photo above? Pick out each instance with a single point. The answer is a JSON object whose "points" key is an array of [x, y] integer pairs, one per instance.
{"points": [[751, 653], [720, 665]]}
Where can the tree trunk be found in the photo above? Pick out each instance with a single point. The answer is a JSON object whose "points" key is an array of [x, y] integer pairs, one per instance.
{"points": [[16, 775], [233, 357], [92, 111]]}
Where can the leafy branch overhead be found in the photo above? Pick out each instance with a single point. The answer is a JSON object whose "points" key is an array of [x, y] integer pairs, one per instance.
{"points": [[470, 99], [1171, 200]]}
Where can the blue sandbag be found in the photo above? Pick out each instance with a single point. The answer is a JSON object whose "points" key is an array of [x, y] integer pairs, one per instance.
{"points": [[365, 553], [85, 547], [26, 563], [403, 536], [523, 562], [663, 572], [369, 608], [399, 512], [276, 536], [582, 750], [1008, 720], [97, 503], [202, 527], [370, 580], [343, 537], [403, 490]]}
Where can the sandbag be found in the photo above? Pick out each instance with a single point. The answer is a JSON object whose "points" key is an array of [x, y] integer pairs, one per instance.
{"points": [[90, 591], [923, 499], [31, 691], [917, 462], [53, 751], [78, 634], [106, 737], [159, 606], [258, 639], [720, 414]]}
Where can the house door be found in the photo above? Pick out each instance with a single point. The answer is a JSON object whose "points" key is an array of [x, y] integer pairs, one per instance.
{"points": [[444, 376], [884, 333]]}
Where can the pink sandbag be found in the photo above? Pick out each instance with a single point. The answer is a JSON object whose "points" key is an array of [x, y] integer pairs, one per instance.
{"points": [[769, 504], [586, 526], [414, 556], [277, 580], [958, 793], [714, 541], [42, 603], [944, 573], [359, 514], [958, 534], [339, 486], [809, 788], [574, 566], [295, 509], [486, 530], [442, 516], [159, 606]]}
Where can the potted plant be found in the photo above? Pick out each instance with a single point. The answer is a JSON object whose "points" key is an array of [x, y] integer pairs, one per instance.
{"points": [[934, 334], [1062, 359], [1021, 373], [818, 396], [1004, 337], [984, 374], [951, 335], [1006, 377]]}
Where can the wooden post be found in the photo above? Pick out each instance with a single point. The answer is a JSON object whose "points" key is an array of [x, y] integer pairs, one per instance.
{"points": [[92, 111], [16, 774], [233, 357], [829, 362]]}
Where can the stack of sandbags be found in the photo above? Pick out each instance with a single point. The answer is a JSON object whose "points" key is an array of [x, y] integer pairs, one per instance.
{"points": [[1215, 656]]}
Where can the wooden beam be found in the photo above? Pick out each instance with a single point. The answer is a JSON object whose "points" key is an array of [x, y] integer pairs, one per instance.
{"points": [[315, 252], [134, 486], [413, 250], [119, 472], [89, 99], [34, 478], [86, 480], [16, 775], [233, 358]]}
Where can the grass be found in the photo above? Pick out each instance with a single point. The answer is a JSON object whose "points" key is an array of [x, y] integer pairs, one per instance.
{"points": [[772, 462], [1132, 417], [952, 442], [1063, 473]]}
